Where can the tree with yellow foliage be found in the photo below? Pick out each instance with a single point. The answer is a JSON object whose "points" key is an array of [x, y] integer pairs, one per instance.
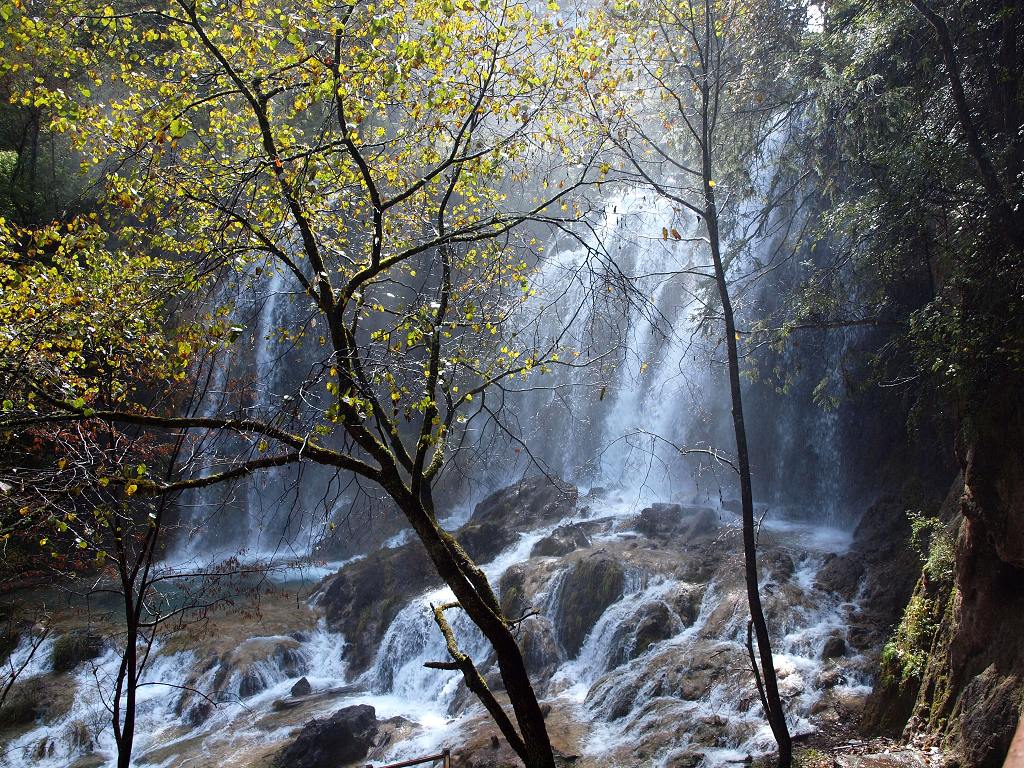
{"points": [[378, 159]]}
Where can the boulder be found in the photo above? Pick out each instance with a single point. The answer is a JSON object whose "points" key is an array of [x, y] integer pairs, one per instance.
{"points": [[686, 600], [366, 596], [75, 647], [199, 712], [688, 758], [652, 623], [512, 587], [592, 585], [840, 575], [345, 737], [834, 648], [302, 688], [562, 541], [540, 649], [779, 565], [687, 522], [528, 503]]}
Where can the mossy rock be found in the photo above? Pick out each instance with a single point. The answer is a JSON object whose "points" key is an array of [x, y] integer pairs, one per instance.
{"points": [[19, 709], [72, 649], [38, 699], [593, 584]]}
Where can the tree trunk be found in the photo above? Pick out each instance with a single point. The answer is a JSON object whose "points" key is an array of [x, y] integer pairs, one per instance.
{"points": [[775, 713], [129, 684]]}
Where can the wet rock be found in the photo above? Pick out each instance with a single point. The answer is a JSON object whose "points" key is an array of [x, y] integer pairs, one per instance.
{"points": [[830, 678], [255, 663], [529, 503], [366, 596], [656, 623], [685, 601], [251, 683], [302, 688], [541, 652], [562, 541], [709, 732], [779, 565], [841, 575], [486, 539], [75, 647], [344, 737], [651, 624], [199, 712], [512, 588], [589, 588], [834, 648], [687, 759], [688, 522], [39, 699]]}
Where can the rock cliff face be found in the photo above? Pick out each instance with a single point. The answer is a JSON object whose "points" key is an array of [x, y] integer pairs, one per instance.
{"points": [[964, 628]]}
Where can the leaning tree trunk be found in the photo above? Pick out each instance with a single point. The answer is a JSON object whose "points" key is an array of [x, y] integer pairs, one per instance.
{"points": [[475, 596], [773, 703]]}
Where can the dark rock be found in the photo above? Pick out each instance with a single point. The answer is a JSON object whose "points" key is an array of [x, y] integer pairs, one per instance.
{"points": [[688, 522], [486, 539], [302, 688], [512, 588], [687, 759], [344, 737], [72, 649], [252, 682], [540, 649], [589, 588], [834, 648], [780, 565], [290, 661], [199, 712], [366, 596], [685, 601], [989, 710], [529, 503], [841, 575], [830, 678], [651, 624], [655, 624], [562, 541]]}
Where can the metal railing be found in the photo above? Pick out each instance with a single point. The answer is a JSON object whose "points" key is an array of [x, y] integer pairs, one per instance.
{"points": [[445, 756]]}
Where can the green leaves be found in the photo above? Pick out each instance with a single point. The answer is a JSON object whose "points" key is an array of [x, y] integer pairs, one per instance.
{"points": [[178, 128]]}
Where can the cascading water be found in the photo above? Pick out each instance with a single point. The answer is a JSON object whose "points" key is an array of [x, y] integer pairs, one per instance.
{"points": [[652, 380], [654, 388]]}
